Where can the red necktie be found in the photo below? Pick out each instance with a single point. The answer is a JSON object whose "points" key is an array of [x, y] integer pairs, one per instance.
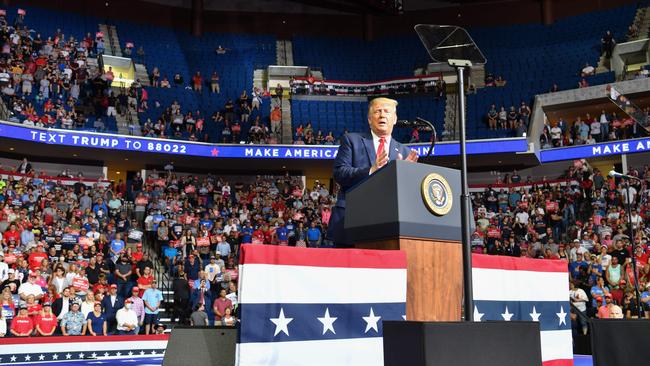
{"points": [[382, 142]]}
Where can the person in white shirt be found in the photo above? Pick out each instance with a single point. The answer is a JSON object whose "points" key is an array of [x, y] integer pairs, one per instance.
{"points": [[604, 126], [623, 192], [588, 70], [605, 259], [556, 135], [212, 270], [4, 268], [636, 219], [127, 319], [579, 298], [522, 217], [30, 288]]}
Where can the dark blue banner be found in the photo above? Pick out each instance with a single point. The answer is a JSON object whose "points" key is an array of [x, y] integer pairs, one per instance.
{"points": [[595, 150], [174, 147]]}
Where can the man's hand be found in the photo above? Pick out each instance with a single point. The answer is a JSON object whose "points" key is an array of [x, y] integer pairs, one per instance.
{"points": [[382, 159], [412, 156]]}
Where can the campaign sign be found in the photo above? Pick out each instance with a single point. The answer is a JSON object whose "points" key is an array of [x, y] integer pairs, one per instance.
{"points": [[595, 150], [175, 147]]}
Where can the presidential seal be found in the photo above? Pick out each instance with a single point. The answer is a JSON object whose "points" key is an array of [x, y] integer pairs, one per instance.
{"points": [[437, 194]]}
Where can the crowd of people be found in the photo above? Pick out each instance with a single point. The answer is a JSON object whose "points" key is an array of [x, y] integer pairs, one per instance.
{"points": [[198, 225], [580, 219], [48, 82], [590, 129], [67, 248], [76, 259], [239, 121]]}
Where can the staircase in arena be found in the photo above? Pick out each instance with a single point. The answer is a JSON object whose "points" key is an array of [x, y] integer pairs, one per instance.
{"points": [[287, 132], [284, 53], [111, 40], [142, 74], [259, 78], [625, 104], [165, 286], [452, 128], [642, 23], [129, 122]]}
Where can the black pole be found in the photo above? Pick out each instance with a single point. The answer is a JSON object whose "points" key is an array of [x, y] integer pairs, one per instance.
{"points": [[468, 299], [631, 235]]}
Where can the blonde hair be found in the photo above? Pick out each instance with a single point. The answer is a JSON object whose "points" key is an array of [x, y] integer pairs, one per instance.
{"points": [[381, 100]]}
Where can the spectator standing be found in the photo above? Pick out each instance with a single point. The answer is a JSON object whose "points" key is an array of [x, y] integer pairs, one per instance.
{"points": [[199, 318], [138, 307], [152, 299], [181, 298], [46, 322], [197, 82], [214, 83], [220, 305], [111, 303], [123, 272], [127, 319], [22, 324], [73, 322], [313, 235], [96, 321]]}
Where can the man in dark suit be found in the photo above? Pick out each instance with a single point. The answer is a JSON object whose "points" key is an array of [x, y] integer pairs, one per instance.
{"points": [[61, 305], [111, 303], [24, 167], [360, 155]]}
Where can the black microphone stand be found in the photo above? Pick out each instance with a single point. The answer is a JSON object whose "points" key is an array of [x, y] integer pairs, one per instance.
{"points": [[434, 135], [631, 235]]}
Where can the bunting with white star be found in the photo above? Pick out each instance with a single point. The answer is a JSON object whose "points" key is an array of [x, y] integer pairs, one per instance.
{"points": [[522, 289], [59, 348], [317, 306]]}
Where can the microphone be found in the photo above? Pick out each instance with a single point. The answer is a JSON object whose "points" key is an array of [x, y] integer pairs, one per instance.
{"points": [[615, 174], [404, 123]]}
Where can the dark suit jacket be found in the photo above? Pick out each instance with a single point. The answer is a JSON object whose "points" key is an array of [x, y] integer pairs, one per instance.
{"points": [[355, 157], [57, 306], [109, 309]]}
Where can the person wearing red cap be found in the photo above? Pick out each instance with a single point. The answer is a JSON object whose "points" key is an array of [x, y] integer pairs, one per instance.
{"points": [[127, 320], [138, 306], [111, 303], [137, 255], [30, 288], [604, 308], [36, 257]]}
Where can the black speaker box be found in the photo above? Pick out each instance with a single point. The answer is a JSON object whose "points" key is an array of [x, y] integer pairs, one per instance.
{"points": [[619, 341], [462, 343], [214, 346]]}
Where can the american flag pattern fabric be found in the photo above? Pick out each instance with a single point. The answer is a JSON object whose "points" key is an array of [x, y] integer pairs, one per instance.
{"points": [[317, 306], [511, 289]]}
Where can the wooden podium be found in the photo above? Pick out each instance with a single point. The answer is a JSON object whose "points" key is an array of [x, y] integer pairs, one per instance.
{"points": [[388, 211]]}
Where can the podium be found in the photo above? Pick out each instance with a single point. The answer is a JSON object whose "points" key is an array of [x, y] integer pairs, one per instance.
{"points": [[389, 211]]}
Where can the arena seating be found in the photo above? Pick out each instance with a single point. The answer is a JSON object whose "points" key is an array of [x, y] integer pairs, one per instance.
{"points": [[530, 57], [177, 52], [339, 116], [357, 60]]}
